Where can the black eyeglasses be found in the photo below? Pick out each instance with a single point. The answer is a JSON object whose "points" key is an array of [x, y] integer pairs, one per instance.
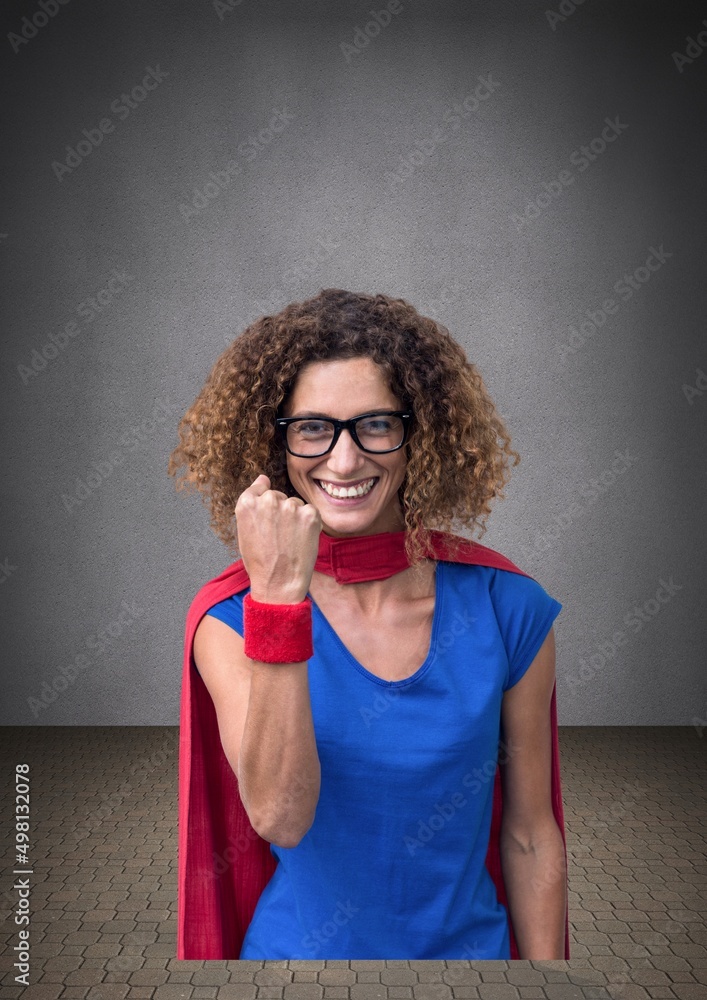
{"points": [[377, 433]]}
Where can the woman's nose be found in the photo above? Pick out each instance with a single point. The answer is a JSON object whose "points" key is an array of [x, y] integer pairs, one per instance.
{"points": [[345, 454]]}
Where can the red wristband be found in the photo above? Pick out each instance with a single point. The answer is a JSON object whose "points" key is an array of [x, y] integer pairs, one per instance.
{"points": [[277, 633]]}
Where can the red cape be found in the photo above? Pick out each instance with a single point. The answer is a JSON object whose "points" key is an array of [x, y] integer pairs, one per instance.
{"points": [[224, 865]]}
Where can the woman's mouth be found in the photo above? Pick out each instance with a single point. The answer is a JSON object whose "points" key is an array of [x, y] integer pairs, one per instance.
{"points": [[348, 495]]}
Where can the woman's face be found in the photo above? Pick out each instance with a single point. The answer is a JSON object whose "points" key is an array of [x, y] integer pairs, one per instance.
{"points": [[344, 389]]}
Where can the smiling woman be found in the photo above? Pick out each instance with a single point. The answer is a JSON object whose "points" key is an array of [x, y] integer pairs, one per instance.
{"points": [[458, 454], [347, 434], [360, 471]]}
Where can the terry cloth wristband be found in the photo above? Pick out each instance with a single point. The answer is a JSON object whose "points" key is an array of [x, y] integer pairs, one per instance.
{"points": [[277, 633]]}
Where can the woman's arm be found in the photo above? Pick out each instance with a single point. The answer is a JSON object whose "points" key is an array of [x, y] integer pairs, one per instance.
{"points": [[531, 845], [263, 709], [265, 723]]}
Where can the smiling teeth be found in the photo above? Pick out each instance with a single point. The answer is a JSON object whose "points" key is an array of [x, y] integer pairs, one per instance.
{"points": [[351, 491]]}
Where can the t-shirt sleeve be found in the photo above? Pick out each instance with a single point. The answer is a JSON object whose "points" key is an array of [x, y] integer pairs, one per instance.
{"points": [[525, 613], [230, 611]]}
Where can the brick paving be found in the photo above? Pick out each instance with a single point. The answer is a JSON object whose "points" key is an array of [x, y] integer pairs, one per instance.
{"points": [[103, 892]]}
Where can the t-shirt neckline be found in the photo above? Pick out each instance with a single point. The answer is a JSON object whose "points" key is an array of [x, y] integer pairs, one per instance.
{"points": [[431, 652]]}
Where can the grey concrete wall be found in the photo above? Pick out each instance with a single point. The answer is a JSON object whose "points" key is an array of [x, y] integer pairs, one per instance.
{"points": [[384, 172]]}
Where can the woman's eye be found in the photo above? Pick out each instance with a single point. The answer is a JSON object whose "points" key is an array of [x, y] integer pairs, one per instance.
{"points": [[312, 427], [379, 426]]}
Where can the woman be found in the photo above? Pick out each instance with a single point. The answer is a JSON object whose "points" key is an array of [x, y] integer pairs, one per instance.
{"points": [[368, 754]]}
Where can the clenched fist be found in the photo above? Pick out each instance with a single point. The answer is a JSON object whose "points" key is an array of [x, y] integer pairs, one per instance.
{"points": [[278, 537]]}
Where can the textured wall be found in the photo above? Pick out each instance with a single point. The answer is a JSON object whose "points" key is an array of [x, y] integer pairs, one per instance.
{"points": [[438, 158]]}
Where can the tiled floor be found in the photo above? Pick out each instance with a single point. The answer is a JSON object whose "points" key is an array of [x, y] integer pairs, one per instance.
{"points": [[103, 893]]}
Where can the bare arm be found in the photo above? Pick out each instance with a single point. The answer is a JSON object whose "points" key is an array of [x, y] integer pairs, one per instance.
{"points": [[265, 724], [264, 710], [531, 846]]}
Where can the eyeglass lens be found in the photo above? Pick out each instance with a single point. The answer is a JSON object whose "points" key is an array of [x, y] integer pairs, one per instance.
{"points": [[312, 436]]}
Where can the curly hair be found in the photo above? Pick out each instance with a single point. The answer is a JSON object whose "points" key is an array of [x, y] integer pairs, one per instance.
{"points": [[458, 449]]}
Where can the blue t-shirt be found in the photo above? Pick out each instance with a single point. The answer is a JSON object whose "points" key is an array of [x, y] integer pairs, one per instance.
{"points": [[393, 866]]}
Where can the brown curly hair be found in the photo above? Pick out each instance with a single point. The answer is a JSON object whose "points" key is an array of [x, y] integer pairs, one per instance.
{"points": [[458, 449]]}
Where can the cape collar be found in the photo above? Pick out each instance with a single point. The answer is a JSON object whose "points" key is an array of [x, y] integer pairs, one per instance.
{"points": [[357, 558]]}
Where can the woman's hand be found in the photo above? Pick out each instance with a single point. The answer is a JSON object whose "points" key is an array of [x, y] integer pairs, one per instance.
{"points": [[278, 537]]}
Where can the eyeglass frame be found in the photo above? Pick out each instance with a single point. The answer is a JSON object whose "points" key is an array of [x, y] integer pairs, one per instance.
{"points": [[281, 424]]}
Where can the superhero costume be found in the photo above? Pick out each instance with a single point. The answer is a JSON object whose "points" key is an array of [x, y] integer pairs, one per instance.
{"points": [[224, 865]]}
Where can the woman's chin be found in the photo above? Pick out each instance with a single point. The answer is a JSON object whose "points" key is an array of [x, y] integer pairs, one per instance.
{"points": [[361, 522]]}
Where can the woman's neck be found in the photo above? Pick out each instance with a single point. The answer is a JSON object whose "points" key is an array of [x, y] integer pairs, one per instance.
{"points": [[368, 596]]}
